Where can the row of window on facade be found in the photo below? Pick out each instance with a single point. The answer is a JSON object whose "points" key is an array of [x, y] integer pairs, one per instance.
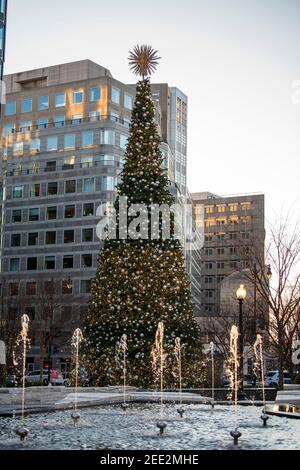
{"points": [[231, 207], [50, 237], [209, 237], [234, 220], [60, 100], [220, 251], [50, 263], [68, 163], [88, 185], [60, 121], [51, 213], [223, 265], [107, 137], [32, 288]]}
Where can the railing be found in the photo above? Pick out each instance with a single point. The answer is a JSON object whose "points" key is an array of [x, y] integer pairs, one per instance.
{"points": [[71, 122]]}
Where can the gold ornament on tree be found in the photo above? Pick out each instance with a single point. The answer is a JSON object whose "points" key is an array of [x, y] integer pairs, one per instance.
{"points": [[143, 60]]}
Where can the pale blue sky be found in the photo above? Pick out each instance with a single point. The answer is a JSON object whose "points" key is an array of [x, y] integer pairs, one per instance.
{"points": [[235, 59]]}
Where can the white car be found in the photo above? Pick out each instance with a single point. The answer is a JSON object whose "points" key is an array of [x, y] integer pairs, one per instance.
{"points": [[34, 378], [272, 378]]}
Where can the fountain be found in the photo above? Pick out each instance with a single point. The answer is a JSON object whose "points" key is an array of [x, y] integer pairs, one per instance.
{"points": [[178, 349], [212, 374], [259, 365], [232, 369], [121, 357], [76, 340], [22, 431], [158, 364]]}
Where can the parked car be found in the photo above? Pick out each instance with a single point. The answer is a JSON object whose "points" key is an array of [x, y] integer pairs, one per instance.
{"points": [[34, 378], [272, 378]]}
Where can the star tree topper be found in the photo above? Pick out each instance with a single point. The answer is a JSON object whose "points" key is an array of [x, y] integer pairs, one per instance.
{"points": [[143, 60]]}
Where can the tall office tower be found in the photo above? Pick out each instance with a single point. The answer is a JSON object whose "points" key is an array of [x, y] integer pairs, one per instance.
{"points": [[65, 130], [3, 9], [228, 220]]}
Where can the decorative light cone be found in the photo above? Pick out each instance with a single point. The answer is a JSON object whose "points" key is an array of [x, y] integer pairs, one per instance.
{"points": [[236, 434]]}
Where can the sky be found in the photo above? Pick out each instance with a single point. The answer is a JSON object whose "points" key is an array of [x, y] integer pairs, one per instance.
{"points": [[237, 60]]}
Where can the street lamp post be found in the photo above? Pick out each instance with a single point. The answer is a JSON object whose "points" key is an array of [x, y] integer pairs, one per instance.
{"points": [[241, 295]]}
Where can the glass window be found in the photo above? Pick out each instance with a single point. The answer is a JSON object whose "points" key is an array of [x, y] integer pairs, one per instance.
{"points": [[128, 101], [60, 99], [52, 188], [115, 116], [51, 213], [89, 185], [87, 139], [115, 95], [85, 286], [42, 123], [107, 137], [17, 192], [32, 263], [86, 162], [35, 146], [26, 106], [43, 103], [49, 262], [69, 163], [50, 166], [59, 121], [15, 239], [69, 236], [68, 262], [95, 94], [10, 108], [14, 264], [70, 186], [34, 214], [87, 260], [108, 183], [16, 215], [17, 169], [107, 159], [78, 96], [88, 209], [70, 211], [69, 141], [94, 115], [18, 149], [52, 143], [51, 238], [8, 129], [77, 118], [33, 238], [31, 288], [25, 126], [87, 235], [35, 190], [67, 286], [123, 141], [14, 289]]}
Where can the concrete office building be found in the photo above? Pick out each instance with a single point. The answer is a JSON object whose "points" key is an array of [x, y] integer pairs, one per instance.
{"points": [[227, 219], [65, 130]]}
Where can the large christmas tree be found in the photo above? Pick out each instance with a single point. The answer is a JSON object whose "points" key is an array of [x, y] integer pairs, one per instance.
{"points": [[141, 281]]}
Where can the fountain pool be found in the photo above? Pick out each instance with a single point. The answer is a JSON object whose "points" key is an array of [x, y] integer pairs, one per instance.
{"points": [[107, 427]]}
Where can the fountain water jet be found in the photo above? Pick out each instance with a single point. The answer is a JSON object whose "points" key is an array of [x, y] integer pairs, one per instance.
{"points": [[76, 340], [212, 374], [23, 339], [232, 369], [259, 364], [121, 358], [178, 349], [158, 364]]}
